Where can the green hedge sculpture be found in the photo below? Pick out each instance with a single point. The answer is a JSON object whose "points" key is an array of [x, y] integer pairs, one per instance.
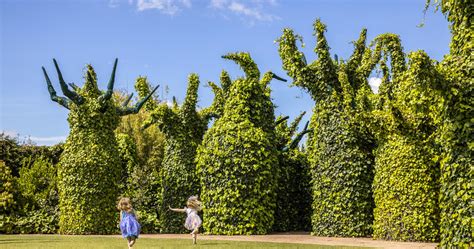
{"points": [[406, 184], [89, 167], [237, 159], [340, 148]]}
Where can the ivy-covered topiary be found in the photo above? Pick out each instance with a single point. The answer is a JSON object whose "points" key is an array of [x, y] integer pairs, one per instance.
{"points": [[407, 165], [340, 148], [237, 159], [293, 201], [89, 167], [183, 127], [457, 131]]}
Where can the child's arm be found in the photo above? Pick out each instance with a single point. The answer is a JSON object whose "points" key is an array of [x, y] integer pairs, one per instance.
{"points": [[181, 210]]}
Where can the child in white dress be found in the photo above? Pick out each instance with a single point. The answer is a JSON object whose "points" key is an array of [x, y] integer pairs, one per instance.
{"points": [[193, 221]]}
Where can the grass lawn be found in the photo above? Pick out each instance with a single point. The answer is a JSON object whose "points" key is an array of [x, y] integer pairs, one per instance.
{"points": [[69, 242]]}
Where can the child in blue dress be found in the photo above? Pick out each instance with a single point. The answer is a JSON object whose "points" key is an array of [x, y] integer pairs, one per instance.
{"points": [[129, 225], [193, 221]]}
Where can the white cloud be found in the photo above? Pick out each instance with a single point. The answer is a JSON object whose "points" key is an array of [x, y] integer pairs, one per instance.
{"points": [[169, 7], [374, 83], [252, 11]]}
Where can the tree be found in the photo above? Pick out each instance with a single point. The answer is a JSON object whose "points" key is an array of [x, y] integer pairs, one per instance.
{"points": [[88, 174], [236, 160], [340, 146]]}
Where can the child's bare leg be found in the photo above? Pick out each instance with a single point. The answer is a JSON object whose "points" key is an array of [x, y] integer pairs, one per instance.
{"points": [[132, 242], [129, 240], [194, 238]]}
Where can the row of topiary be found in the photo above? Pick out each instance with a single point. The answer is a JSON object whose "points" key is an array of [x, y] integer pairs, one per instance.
{"points": [[388, 164]]}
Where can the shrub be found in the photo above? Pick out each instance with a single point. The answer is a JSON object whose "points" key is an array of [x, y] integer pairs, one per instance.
{"points": [[6, 188]]}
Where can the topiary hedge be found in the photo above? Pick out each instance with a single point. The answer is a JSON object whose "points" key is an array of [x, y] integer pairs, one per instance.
{"points": [[89, 172], [236, 160], [183, 127], [407, 166], [340, 148]]}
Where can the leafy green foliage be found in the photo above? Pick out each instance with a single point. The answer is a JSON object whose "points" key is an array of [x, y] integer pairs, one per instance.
{"points": [[293, 197], [340, 148], [237, 157], [142, 152], [407, 166], [456, 133], [36, 200], [13, 152], [6, 188], [88, 173], [38, 184], [183, 127], [30, 198]]}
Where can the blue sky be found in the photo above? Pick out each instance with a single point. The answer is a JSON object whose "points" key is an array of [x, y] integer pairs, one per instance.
{"points": [[166, 40]]}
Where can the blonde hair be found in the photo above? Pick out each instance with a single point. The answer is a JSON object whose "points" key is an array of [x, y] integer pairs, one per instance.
{"points": [[194, 203], [124, 204]]}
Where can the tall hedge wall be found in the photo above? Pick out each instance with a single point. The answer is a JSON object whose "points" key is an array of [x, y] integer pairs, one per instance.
{"points": [[183, 127], [340, 148], [237, 158], [457, 132]]}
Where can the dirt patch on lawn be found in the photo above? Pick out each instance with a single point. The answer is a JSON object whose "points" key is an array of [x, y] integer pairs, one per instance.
{"points": [[304, 238]]}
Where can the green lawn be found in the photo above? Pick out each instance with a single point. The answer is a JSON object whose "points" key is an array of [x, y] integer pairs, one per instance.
{"points": [[70, 242]]}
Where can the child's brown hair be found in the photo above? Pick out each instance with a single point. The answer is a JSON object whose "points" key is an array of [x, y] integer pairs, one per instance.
{"points": [[124, 204]]}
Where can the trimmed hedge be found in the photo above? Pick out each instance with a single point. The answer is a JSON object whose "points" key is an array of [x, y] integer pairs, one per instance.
{"points": [[236, 160], [340, 148], [183, 127], [89, 169], [407, 165]]}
